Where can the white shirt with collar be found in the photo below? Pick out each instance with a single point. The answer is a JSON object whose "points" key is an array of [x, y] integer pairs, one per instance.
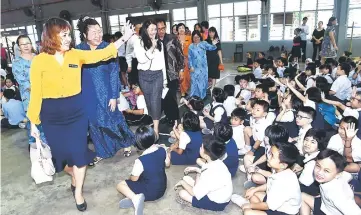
{"points": [[258, 129], [288, 116], [328, 78], [337, 198], [280, 71], [301, 137], [184, 140], [230, 104], [310, 82], [138, 168], [304, 32], [237, 89], [336, 143], [218, 112], [342, 87], [257, 73], [129, 52], [238, 136], [351, 112], [283, 192], [307, 178], [121, 51], [334, 72], [215, 182]]}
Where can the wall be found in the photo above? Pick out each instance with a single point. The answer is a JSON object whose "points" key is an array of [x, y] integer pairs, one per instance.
{"points": [[78, 7]]}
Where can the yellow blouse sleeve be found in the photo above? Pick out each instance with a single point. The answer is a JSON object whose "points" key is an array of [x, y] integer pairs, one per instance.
{"points": [[36, 95], [94, 56]]}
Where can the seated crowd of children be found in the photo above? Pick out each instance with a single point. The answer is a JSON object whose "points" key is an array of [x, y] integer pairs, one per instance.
{"points": [[299, 133]]}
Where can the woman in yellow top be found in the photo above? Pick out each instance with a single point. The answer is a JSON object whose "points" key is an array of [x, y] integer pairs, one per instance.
{"points": [[186, 41], [56, 99]]}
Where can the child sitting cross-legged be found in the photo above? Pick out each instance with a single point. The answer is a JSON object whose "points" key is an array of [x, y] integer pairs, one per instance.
{"points": [[13, 111], [148, 180], [212, 187], [304, 118], [230, 101], [189, 139], [217, 112], [336, 197], [281, 195], [237, 119]]}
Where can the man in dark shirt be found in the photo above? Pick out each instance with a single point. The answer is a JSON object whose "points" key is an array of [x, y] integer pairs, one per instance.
{"points": [[174, 61]]}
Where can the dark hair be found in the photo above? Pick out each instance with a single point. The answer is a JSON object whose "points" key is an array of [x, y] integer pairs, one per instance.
{"points": [[339, 160], [107, 38], [118, 34], [323, 85], [305, 18], [146, 40], [237, 79], [331, 61], [218, 95], [50, 41], [212, 29], [312, 68], [176, 28], [252, 101], [347, 53], [274, 69], [196, 33], [222, 132], [350, 119], [262, 53], [180, 24], [263, 87], [229, 90], [9, 94], [296, 102], [213, 148], [240, 113], [308, 110], [251, 77], [331, 20], [199, 25], [352, 64], [262, 103], [21, 37], [320, 136], [342, 59], [83, 26], [298, 30], [345, 67], [205, 24], [144, 137], [290, 72], [314, 94], [160, 20], [259, 61], [196, 103], [277, 133], [283, 60], [326, 66], [288, 153], [191, 121], [244, 77]]}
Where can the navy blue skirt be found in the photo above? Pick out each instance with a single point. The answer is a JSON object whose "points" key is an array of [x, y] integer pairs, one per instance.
{"points": [[65, 126], [151, 192], [207, 204]]}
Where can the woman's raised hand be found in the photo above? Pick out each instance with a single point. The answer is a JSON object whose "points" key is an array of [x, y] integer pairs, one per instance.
{"points": [[215, 41], [128, 32]]}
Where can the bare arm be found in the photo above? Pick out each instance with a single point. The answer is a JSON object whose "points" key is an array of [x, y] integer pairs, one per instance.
{"points": [[303, 88], [336, 103], [134, 178], [298, 94], [220, 56]]}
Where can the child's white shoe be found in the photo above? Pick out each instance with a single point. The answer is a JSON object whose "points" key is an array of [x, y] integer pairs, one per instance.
{"points": [[138, 202], [22, 125], [244, 150], [242, 168], [239, 200]]}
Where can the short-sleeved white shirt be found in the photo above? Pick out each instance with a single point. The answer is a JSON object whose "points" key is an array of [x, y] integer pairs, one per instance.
{"points": [[257, 73], [184, 140], [252, 85], [283, 192], [334, 72], [301, 137], [238, 136], [342, 87], [351, 112], [310, 103], [138, 166], [237, 89], [288, 116], [215, 182], [328, 78], [230, 104], [218, 112], [336, 144], [141, 104], [309, 82], [280, 71], [307, 178], [259, 128]]}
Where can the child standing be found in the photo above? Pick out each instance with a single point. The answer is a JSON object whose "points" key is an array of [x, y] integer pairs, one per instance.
{"points": [[337, 197], [13, 111], [281, 195], [237, 119], [212, 188], [148, 180], [230, 102], [296, 48]]}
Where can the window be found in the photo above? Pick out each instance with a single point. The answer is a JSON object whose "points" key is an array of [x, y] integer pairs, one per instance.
{"points": [[31, 31], [240, 21], [117, 23], [353, 19], [76, 32], [188, 16], [153, 13], [287, 15]]}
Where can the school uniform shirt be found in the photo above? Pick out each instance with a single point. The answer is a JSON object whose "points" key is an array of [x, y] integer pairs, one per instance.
{"points": [[271, 116], [288, 116], [257, 73], [184, 140], [353, 81], [334, 72], [328, 78], [342, 87], [252, 85], [230, 104], [129, 51], [141, 104], [283, 192], [237, 89], [3, 73], [280, 71], [301, 137], [307, 178], [304, 32], [238, 136], [337, 198], [351, 112], [258, 129], [138, 168], [245, 94], [310, 103], [10, 88], [336, 144], [215, 182], [218, 112], [310, 82], [13, 110]]}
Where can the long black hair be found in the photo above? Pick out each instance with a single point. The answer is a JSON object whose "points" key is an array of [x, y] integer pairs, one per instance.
{"points": [[331, 20], [199, 25], [83, 25], [197, 33], [212, 29], [147, 41]]}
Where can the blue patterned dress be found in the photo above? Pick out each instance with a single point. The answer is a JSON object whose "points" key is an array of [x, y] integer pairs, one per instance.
{"points": [[21, 71], [100, 83], [197, 59]]}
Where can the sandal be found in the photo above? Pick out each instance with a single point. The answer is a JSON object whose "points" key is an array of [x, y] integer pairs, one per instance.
{"points": [[97, 159], [127, 153]]}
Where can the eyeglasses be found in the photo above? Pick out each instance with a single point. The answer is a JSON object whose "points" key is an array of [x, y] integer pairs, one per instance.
{"points": [[354, 98], [302, 117]]}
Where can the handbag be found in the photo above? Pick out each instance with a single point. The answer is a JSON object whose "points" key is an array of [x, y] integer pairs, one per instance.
{"points": [[42, 168], [221, 67]]}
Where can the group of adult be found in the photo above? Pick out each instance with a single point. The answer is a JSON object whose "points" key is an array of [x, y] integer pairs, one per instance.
{"points": [[323, 40]]}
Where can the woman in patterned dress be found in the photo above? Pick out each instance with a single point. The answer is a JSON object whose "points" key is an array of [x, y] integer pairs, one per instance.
{"points": [[186, 41], [197, 60], [329, 46]]}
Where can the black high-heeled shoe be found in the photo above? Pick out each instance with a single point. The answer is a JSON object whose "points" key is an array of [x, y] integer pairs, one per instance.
{"points": [[82, 207]]}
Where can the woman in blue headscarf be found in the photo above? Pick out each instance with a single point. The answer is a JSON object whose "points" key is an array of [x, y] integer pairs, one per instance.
{"points": [[100, 86]]}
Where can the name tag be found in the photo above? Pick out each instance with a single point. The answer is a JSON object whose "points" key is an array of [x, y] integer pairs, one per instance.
{"points": [[73, 66]]}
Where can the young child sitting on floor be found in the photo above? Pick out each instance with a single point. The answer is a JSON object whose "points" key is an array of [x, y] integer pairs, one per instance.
{"points": [[237, 119], [230, 101], [249, 107], [304, 118], [218, 112], [341, 87], [337, 197], [281, 195], [244, 94], [13, 111], [281, 63], [212, 188], [189, 139], [257, 72], [148, 180]]}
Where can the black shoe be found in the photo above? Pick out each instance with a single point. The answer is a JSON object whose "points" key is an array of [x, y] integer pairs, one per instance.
{"points": [[82, 207]]}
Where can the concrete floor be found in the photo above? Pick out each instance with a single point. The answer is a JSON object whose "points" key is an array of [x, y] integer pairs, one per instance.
{"points": [[20, 195]]}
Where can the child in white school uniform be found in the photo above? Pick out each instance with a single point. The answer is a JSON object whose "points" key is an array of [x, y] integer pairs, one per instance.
{"points": [[341, 87], [212, 189], [237, 119], [347, 143], [257, 72], [244, 94], [148, 180], [281, 195], [336, 197], [217, 112], [230, 101], [315, 141], [325, 71]]}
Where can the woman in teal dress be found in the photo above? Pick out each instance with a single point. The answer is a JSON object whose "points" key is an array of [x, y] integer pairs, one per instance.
{"points": [[21, 71], [198, 64]]}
